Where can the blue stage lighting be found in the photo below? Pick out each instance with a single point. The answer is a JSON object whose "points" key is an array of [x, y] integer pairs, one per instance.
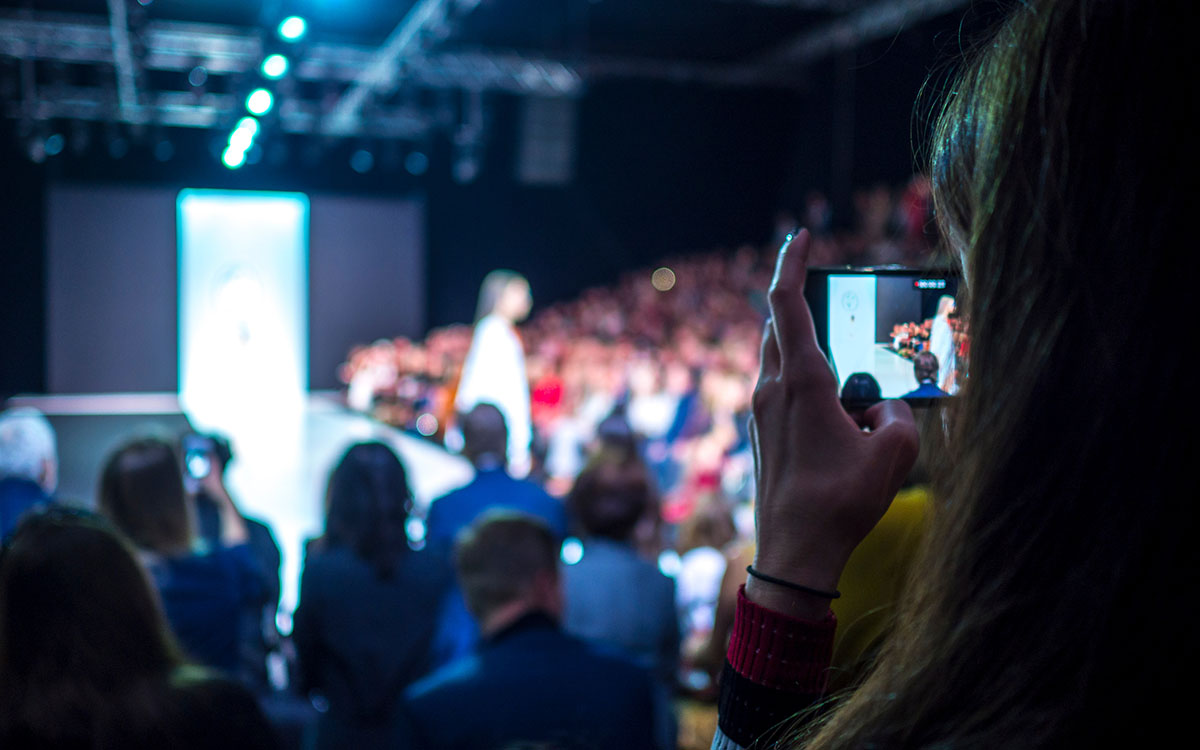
{"points": [[259, 102], [275, 66], [233, 157], [292, 28]]}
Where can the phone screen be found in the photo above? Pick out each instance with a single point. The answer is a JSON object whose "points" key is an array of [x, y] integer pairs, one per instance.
{"points": [[197, 456], [900, 326]]}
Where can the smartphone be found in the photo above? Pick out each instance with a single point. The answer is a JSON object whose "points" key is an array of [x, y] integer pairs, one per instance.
{"points": [[890, 332], [198, 452]]}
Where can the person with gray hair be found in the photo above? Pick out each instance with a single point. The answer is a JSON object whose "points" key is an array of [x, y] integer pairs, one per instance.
{"points": [[528, 682], [28, 465]]}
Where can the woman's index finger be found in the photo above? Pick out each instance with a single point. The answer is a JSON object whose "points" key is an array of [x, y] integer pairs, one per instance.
{"points": [[794, 330]]}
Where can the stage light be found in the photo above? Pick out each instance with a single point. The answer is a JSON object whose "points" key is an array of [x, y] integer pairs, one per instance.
{"points": [[248, 124], [54, 144], [164, 150], [414, 529], [233, 157], [427, 424], [663, 279], [275, 66], [292, 28], [241, 140], [572, 550], [416, 163], [259, 102], [362, 161], [198, 76]]}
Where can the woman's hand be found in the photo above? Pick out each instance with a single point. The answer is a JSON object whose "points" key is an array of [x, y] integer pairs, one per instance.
{"points": [[825, 477], [233, 526]]}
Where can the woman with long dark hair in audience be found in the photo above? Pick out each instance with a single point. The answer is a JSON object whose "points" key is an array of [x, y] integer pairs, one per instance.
{"points": [[206, 592], [1055, 602], [86, 658], [368, 602]]}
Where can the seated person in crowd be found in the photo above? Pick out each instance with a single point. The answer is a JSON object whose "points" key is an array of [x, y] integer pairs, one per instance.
{"points": [[205, 591], [260, 634], [86, 658], [925, 368], [28, 465], [613, 595], [528, 682], [368, 603], [485, 439]]}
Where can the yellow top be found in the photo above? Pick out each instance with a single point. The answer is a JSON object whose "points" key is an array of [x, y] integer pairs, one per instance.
{"points": [[872, 583]]}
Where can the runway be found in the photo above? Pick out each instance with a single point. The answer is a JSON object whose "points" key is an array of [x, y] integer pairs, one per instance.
{"points": [[280, 465]]}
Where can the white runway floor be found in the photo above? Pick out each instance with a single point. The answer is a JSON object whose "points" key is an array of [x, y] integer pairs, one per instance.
{"points": [[894, 373]]}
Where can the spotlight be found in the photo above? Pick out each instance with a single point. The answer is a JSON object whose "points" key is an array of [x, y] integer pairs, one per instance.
{"points": [[275, 66], [164, 150], [233, 157], [240, 139], [198, 76], [362, 161], [259, 102], [249, 124], [417, 163], [54, 144], [292, 28], [663, 279]]}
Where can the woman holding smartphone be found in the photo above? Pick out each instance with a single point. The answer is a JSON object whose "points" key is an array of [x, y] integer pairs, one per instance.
{"points": [[1054, 602]]}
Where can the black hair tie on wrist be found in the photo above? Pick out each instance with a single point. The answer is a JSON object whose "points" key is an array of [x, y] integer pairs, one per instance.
{"points": [[794, 586]]}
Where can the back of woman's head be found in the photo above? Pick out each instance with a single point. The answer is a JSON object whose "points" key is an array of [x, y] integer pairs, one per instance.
{"points": [[611, 494], [493, 288], [141, 491], [79, 625], [367, 505], [1066, 504]]}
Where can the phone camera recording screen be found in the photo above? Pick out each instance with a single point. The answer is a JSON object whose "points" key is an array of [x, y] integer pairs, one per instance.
{"points": [[900, 327], [198, 464]]}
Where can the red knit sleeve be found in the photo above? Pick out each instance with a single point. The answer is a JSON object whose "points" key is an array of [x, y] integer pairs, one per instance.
{"points": [[778, 651]]}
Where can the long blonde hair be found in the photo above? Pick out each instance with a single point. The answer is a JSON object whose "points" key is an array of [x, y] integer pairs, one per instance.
{"points": [[1067, 508]]}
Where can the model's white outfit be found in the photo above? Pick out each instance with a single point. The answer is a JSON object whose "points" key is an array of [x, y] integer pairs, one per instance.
{"points": [[494, 373], [941, 344]]}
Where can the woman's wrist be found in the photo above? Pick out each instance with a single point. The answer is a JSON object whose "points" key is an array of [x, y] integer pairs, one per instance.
{"points": [[786, 601]]}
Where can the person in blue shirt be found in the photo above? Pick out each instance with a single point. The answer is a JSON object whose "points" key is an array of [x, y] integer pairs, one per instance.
{"points": [[529, 683], [926, 367], [485, 437]]}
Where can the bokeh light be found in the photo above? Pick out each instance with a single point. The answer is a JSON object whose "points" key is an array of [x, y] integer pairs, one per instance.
{"points": [[663, 279]]}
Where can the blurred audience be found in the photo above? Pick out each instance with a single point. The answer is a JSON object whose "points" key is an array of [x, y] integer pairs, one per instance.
{"points": [[529, 683], [368, 602], [675, 346], [206, 591], [28, 465], [87, 659]]}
